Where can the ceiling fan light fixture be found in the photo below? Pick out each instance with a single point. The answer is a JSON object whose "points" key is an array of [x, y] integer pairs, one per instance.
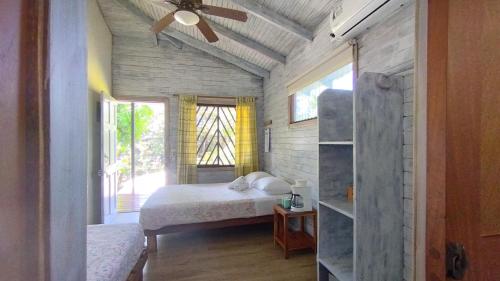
{"points": [[186, 17]]}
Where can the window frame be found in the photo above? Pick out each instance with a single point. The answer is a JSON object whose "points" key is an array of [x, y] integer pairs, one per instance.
{"points": [[215, 104], [166, 138], [291, 112], [344, 54], [313, 120]]}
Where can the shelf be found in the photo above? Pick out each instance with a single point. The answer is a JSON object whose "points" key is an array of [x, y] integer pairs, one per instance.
{"points": [[341, 269], [339, 205], [297, 240], [336, 143]]}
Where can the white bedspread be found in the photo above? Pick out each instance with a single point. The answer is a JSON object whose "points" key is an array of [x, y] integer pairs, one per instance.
{"points": [[113, 250], [195, 203]]}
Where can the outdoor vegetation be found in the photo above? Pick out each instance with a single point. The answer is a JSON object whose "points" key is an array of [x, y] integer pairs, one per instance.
{"points": [[147, 139]]}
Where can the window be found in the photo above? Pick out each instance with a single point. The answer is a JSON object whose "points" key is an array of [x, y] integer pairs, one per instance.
{"points": [[336, 72], [216, 136], [304, 101]]}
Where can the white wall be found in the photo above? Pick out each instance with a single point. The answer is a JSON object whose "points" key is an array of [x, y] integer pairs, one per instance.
{"points": [[141, 69], [387, 48], [99, 47]]}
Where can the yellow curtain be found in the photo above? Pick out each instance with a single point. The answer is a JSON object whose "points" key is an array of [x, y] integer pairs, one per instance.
{"points": [[247, 156], [186, 141]]}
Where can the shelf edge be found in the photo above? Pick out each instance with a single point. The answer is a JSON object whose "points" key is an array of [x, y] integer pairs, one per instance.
{"points": [[331, 268], [337, 209], [336, 143]]}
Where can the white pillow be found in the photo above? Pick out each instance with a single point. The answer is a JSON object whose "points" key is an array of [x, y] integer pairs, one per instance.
{"points": [[255, 176], [239, 184], [272, 186]]}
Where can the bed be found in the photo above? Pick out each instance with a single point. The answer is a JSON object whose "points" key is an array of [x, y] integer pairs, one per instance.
{"points": [[115, 252], [202, 206]]}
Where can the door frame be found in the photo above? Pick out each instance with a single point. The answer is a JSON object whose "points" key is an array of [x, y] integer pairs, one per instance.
{"points": [[420, 140], [167, 136], [430, 139], [25, 120], [431, 144], [437, 75], [44, 146]]}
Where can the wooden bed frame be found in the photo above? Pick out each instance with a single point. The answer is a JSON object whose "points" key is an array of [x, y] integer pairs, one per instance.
{"points": [[136, 273], [151, 234]]}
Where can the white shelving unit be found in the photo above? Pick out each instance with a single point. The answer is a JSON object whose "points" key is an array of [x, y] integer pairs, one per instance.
{"points": [[360, 145], [341, 206], [336, 214], [336, 143]]}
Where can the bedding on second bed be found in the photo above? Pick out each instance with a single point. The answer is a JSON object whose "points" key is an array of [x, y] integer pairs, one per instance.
{"points": [[113, 250], [196, 203]]}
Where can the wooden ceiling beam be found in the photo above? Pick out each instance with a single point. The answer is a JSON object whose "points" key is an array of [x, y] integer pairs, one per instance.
{"points": [[176, 43], [276, 19], [247, 42], [238, 38], [155, 39], [197, 44], [216, 52]]}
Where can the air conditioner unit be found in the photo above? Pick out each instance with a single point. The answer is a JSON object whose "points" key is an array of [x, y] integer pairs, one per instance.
{"points": [[351, 17]]}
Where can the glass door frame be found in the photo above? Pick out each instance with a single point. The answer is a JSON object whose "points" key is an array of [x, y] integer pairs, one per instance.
{"points": [[166, 135]]}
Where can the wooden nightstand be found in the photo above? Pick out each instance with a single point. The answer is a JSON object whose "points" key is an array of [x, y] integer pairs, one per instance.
{"points": [[291, 240]]}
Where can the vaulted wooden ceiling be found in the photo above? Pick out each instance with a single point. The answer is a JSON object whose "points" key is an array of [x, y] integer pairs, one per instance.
{"points": [[273, 28]]}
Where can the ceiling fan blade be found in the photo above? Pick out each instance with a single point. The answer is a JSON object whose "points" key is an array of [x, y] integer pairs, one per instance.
{"points": [[207, 31], [224, 12], [161, 24]]}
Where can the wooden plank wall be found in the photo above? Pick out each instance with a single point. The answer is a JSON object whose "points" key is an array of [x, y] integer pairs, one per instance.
{"points": [[388, 48], [141, 69]]}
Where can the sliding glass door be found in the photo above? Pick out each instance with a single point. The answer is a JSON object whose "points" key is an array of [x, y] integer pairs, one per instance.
{"points": [[141, 152]]}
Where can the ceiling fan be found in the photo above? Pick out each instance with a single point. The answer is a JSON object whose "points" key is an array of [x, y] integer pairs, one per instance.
{"points": [[187, 14]]}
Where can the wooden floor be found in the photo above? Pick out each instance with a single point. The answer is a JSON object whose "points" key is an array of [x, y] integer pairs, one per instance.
{"points": [[239, 254], [130, 202]]}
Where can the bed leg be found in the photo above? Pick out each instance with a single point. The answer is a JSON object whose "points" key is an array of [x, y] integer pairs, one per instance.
{"points": [[151, 243]]}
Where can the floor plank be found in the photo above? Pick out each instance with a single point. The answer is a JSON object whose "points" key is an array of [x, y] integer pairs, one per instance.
{"points": [[241, 253], [130, 202]]}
